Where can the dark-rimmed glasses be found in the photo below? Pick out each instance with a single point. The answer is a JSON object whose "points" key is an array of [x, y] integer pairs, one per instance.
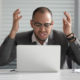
{"points": [[37, 24]]}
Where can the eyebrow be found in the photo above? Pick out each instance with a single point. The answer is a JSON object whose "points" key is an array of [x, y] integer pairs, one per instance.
{"points": [[42, 23]]}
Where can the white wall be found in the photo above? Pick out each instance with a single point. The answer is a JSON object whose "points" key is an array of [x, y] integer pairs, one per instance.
{"points": [[79, 20], [0, 16]]}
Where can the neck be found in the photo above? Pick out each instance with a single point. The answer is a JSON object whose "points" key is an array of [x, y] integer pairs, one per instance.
{"points": [[41, 42]]}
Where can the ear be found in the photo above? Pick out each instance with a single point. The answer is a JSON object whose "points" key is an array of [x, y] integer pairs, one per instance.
{"points": [[31, 22], [52, 23]]}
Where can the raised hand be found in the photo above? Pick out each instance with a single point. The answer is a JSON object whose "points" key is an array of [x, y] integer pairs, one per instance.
{"points": [[15, 25], [67, 24]]}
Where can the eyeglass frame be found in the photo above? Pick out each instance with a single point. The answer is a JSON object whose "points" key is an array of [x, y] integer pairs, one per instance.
{"points": [[40, 24]]}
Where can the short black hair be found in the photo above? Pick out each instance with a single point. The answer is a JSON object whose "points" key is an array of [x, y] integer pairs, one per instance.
{"points": [[41, 10]]}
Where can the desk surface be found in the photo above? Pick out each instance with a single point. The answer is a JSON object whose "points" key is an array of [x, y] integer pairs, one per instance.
{"points": [[62, 75]]}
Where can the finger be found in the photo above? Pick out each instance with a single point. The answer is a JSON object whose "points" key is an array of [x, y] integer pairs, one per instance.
{"points": [[16, 10], [19, 17], [65, 22], [16, 13], [68, 16]]}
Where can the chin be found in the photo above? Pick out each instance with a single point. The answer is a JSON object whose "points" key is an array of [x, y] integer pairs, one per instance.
{"points": [[42, 39]]}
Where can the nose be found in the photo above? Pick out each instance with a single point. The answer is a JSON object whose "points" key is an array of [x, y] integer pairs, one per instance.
{"points": [[42, 28]]}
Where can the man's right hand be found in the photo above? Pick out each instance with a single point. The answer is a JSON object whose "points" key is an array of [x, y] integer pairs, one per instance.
{"points": [[15, 25]]}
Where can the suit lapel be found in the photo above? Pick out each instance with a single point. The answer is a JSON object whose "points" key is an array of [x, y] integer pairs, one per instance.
{"points": [[52, 39]]}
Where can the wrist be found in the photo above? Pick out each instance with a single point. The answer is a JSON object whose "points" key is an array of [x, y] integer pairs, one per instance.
{"points": [[12, 34], [70, 37]]}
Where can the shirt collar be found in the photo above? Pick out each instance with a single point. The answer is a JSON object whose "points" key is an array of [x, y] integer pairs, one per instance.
{"points": [[35, 40]]}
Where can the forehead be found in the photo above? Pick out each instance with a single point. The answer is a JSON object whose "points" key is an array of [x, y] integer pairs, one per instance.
{"points": [[42, 17]]}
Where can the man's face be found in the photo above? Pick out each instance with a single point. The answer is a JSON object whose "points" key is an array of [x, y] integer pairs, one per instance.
{"points": [[42, 25]]}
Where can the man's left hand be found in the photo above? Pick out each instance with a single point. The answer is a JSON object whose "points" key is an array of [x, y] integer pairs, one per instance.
{"points": [[67, 24]]}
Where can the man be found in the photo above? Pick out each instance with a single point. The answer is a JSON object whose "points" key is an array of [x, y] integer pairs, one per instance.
{"points": [[42, 33]]}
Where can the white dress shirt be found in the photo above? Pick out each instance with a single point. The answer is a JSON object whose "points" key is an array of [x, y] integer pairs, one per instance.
{"points": [[35, 40]]}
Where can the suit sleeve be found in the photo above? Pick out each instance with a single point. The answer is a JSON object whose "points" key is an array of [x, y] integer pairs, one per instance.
{"points": [[7, 51], [75, 46]]}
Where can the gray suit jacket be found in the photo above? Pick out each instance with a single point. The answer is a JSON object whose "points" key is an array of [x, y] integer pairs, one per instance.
{"points": [[68, 50]]}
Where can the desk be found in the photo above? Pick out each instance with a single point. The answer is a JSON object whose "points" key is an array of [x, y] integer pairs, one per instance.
{"points": [[62, 75]]}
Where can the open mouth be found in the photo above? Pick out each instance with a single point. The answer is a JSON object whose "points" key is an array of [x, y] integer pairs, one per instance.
{"points": [[43, 35]]}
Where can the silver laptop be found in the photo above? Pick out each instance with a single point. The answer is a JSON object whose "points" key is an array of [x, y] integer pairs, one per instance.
{"points": [[37, 58]]}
